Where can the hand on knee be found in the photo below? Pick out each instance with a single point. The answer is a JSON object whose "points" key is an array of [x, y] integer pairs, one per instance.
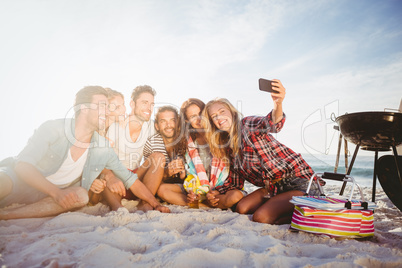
{"points": [[72, 197], [83, 197]]}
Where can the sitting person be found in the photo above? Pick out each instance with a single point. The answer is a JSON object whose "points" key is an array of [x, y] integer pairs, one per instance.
{"points": [[159, 150], [166, 142], [128, 139], [117, 113], [257, 157], [61, 163], [211, 171]]}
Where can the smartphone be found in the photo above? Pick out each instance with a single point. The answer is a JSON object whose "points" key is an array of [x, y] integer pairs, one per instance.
{"points": [[266, 85]]}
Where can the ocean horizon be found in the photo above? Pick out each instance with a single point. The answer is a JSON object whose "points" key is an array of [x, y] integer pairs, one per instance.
{"points": [[362, 170]]}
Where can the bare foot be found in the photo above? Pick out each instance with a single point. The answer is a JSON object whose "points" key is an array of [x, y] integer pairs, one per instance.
{"points": [[144, 206]]}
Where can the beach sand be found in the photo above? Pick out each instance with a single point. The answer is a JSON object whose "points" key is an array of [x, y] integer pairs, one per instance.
{"points": [[96, 237]]}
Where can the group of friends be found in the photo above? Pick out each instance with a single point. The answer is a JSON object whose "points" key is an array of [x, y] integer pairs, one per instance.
{"points": [[105, 155]]}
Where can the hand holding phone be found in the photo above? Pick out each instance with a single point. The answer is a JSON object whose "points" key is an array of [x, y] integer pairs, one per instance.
{"points": [[266, 85]]}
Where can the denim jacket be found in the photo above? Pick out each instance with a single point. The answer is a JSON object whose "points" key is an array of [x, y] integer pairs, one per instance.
{"points": [[48, 148]]}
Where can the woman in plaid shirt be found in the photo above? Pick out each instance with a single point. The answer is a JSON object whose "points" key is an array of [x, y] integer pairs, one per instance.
{"points": [[256, 156]]}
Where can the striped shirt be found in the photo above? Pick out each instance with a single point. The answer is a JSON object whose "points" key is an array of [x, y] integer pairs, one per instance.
{"points": [[155, 144]]}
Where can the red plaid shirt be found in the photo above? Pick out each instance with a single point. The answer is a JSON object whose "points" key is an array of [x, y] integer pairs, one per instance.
{"points": [[262, 157]]}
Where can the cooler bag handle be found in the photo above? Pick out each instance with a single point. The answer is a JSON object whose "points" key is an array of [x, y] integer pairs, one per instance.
{"points": [[337, 177]]}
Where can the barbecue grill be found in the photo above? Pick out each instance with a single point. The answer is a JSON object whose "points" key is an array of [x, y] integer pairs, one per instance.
{"points": [[372, 131]]}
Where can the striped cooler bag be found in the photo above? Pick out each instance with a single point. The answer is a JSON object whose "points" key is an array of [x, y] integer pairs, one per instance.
{"points": [[333, 216]]}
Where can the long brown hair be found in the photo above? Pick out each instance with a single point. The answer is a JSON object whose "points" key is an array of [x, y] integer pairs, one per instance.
{"points": [[220, 141], [187, 129], [180, 146]]}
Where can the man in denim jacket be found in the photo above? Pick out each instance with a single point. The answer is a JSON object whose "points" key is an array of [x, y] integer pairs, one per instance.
{"points": [[61, 163]]}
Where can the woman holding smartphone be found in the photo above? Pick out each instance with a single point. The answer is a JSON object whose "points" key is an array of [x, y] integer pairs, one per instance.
{"points": [[212, 172], [256, 156]]}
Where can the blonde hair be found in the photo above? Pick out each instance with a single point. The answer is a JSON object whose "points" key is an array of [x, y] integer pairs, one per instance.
{"points": [[220, 141]]}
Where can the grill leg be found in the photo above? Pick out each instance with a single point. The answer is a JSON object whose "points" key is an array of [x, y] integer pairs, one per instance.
{"points": [[338, 153], [374, 177], [350, 168]]}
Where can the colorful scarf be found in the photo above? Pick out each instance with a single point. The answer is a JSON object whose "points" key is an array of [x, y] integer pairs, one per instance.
{"points": [[219, 171]]}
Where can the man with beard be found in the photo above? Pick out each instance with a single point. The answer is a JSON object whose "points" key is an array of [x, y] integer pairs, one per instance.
{"points": [[167, 143], [62, 161]]}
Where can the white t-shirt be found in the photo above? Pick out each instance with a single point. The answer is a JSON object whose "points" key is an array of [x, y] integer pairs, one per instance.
{"points": [[69, 171], [130, 153]]}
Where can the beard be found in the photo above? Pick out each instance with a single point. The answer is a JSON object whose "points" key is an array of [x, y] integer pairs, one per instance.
{"points": [[167, 133], [140, 115]]}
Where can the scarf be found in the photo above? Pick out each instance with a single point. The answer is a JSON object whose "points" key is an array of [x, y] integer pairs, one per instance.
{"points": [[219, 171]]}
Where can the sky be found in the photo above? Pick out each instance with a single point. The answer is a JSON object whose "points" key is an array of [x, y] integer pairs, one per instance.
{"points": [[335, 56]]}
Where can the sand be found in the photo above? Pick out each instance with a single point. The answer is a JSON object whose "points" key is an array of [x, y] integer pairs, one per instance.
{"points": [[96, 237]]}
